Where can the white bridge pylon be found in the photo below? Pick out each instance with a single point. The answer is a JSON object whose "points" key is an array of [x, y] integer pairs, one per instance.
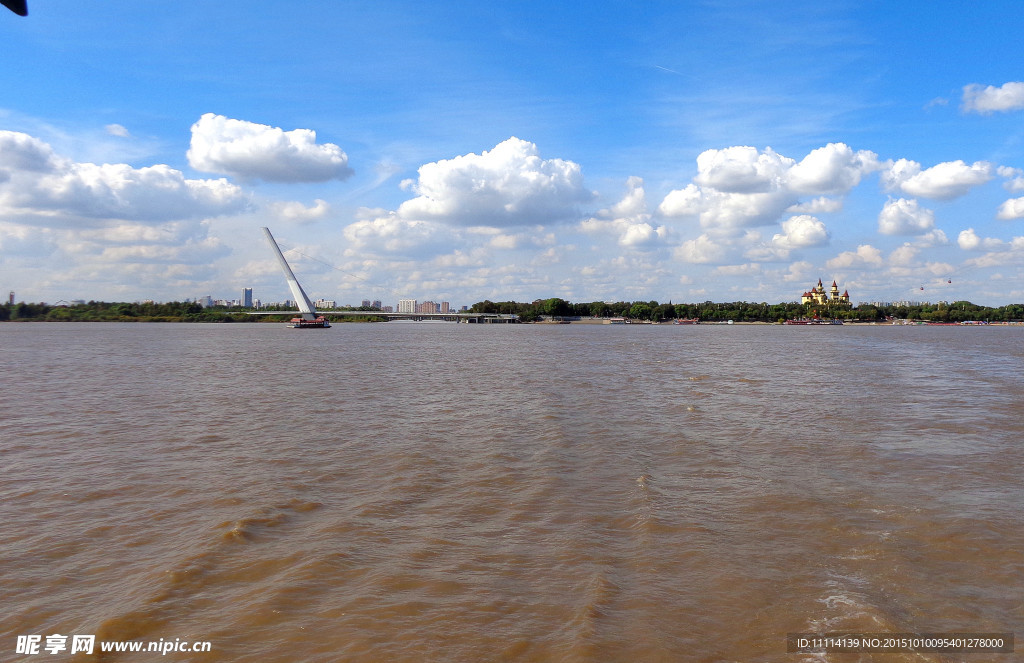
{"points": [[305, 306]]}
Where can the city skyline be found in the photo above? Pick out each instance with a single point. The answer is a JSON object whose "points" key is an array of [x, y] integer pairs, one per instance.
{"points": [[687, 151], [428, 306]]}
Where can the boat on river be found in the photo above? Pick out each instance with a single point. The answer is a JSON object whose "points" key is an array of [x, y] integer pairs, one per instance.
{"points": [[319, 322], [814, 321]]}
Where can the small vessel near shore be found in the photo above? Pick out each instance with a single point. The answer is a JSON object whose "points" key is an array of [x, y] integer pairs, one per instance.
{"points": [[814, 321], [320, 322]]}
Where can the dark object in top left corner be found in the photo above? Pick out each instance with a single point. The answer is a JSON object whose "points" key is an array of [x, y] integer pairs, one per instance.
{"points": [[19, 7]]}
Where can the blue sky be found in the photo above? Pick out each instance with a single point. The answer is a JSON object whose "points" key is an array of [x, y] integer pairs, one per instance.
{"points": [[682, 151]]}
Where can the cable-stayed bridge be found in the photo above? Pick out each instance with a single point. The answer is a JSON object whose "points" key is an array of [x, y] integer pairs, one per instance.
{"points": [[309, 317]]}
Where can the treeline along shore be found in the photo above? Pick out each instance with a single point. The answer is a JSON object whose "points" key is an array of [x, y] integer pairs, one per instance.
{"points": [[960, 311], [121, 312]]}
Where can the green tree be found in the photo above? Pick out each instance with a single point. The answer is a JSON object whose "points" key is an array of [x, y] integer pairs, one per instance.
{"points": [[555, 307], [640, 311]]}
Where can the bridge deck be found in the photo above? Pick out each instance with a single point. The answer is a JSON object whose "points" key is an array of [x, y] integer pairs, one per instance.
{"points": [[453, 317]]}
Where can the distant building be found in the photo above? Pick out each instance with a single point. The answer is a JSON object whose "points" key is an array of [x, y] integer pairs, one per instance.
{"points": [[406, 305], [247, 297], [10, 298], [325, 303], [817, 295], [366, 303], [427, 307], [376, 303]]}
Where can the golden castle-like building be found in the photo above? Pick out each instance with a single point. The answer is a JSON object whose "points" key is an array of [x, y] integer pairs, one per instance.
{"points": [[817, 295]]}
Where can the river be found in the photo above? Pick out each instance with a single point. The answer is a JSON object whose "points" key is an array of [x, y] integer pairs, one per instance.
{"points": [[385, 492]]}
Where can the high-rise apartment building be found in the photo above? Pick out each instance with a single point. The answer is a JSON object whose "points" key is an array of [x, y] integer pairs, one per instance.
{"points": [[406, 305], [247, 297]]}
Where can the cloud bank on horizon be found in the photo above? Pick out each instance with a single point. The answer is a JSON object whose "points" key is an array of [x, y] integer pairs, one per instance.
{"points": [[390, 213]]}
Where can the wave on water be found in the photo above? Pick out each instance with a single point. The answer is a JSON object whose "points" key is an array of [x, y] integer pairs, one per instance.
{"points": [[251, 527], [200, 581]]}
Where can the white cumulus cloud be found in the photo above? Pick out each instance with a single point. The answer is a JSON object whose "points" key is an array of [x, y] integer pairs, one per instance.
{"points": [[731, 212], [628, 219], [509, 185], [46, 189], [988, 99], [798, 232], [740, 187], [904, 256], [256, 151], [798, 271], [905, 217], [506, 241], [968, 240], [943, 181], [386, 232], [1005, 253], [832, 169], [741, 169], [801, 232], [1011, 209], [296, 212], [934, 237], [748, 269], [682, 202], [819, 205], [865, 255], [21, 152], [702, 249], [1014, 178]]}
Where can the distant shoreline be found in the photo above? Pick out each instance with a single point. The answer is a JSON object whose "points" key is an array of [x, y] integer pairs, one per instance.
{"points": [[588, 321], [542, 311]]}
